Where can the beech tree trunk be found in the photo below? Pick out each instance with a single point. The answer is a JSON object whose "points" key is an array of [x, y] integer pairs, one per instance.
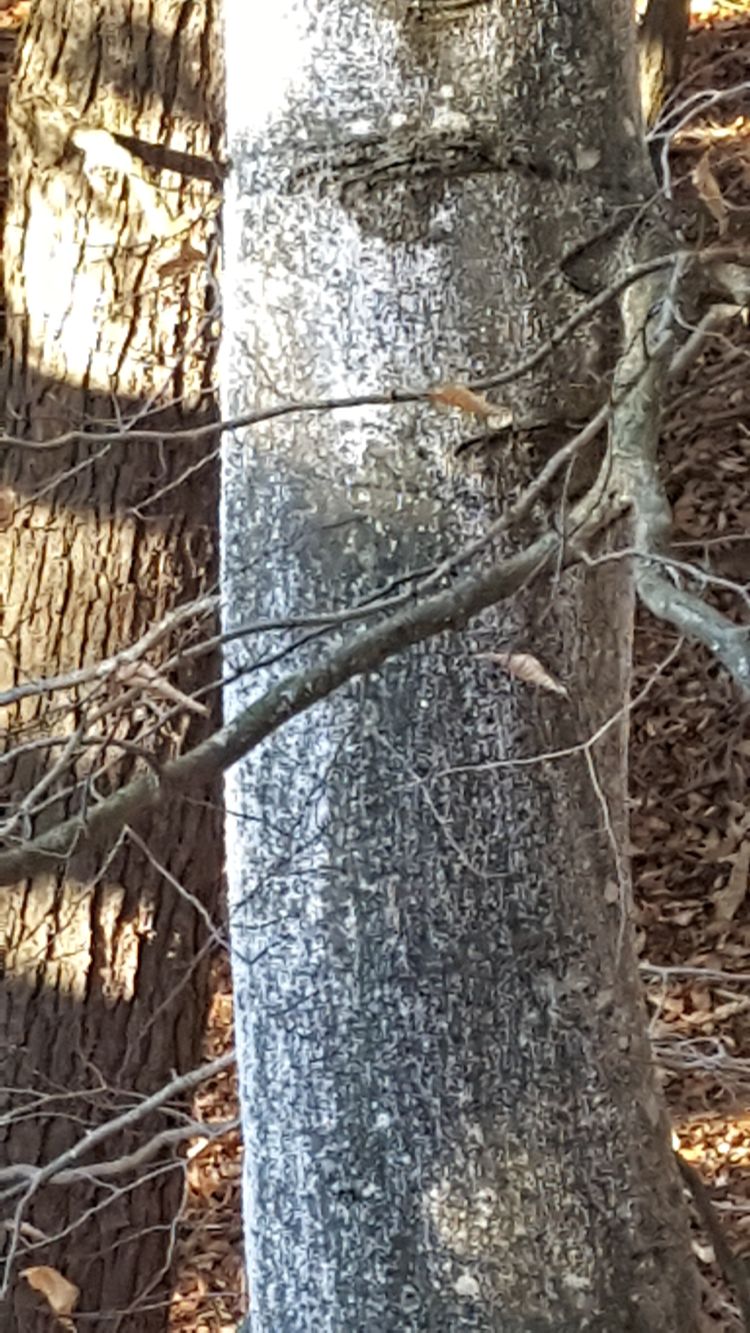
{"points": [[449, 1110], [115, 129]]}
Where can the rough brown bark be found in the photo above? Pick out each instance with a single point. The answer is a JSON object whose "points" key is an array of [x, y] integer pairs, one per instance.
{"points": [[107, 247], [661, 41]]}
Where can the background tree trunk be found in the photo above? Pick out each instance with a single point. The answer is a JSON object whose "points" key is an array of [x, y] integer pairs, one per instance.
{"points": [[661, 41], [449, 1110], [115, 127]]}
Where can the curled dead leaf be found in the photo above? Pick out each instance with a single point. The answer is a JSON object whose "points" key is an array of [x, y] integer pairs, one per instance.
{"points": [[475, 404], [709, 190], [728, 900], [587, 158], [527, 668], [60, 1294]]}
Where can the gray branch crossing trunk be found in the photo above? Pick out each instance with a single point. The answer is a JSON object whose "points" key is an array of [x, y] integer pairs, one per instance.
{"points": [[449, 1109]]}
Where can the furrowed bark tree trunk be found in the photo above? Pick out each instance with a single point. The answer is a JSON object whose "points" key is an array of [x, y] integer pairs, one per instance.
{"points": [[115, 128], [449, 1108], [661, 41]]}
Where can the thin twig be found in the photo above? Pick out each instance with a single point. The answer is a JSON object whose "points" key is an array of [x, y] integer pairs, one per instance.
{"points": [[450, 609], [138, 435], [69, 1159], [732, 1265]]}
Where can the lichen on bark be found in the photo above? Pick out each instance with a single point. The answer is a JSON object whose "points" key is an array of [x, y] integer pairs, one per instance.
{"points": [[442, 1055]]}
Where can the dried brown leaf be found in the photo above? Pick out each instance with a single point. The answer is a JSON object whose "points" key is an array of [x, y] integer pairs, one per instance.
{"points": [[60, 1294], [184, 262], [475, 404], [728, 900], [527, 668], [709, 190], [684, 918]]}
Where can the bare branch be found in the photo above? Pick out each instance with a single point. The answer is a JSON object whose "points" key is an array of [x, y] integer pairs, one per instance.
{"points": [[709, 325], [708, 974], [202, 606], [139, 435], [177, 1088], [449, 608], [729, 643], [691, 571], [733, 1268], [93, 1139], [675, 119], [580, 747], [118, 1166], [214, 933], [649, 317]]}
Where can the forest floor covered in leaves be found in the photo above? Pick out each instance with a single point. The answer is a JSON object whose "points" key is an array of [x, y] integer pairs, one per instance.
{"points": [[690, 741]]}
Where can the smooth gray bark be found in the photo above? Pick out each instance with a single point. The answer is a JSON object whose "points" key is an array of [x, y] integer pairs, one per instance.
{"points": [[449, 1113]]}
